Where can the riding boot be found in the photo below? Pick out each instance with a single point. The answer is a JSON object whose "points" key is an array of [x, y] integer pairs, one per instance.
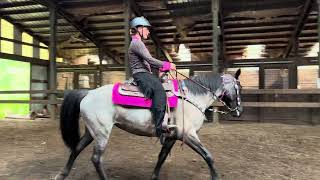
{"points": [[158, 120], [159, 115]]}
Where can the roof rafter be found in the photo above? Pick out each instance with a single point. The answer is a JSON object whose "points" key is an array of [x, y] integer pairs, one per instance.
{"points": [[302, 19], [78, 25], [16, 4]]}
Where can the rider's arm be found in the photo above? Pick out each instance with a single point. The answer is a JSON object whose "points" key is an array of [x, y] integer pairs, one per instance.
{"points": [[140, 49]]}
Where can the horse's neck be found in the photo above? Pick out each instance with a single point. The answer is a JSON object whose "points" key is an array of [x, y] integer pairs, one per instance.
{"points": [[203, 100]]}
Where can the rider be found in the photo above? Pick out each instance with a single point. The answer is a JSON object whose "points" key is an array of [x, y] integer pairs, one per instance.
{"points": [[140, 62]]}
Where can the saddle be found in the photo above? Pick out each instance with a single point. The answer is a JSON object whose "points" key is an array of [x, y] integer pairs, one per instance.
{"points": [[130, 88], [128, 94]]}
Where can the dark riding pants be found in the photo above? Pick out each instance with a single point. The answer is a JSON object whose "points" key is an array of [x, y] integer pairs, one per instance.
{"points": [[152, 88]]}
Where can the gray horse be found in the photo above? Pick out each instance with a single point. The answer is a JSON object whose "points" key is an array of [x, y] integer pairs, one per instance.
{"points": [[100, 115]]}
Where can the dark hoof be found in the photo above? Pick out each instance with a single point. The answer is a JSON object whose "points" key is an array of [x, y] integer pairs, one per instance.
{"points": [[154, 177]]}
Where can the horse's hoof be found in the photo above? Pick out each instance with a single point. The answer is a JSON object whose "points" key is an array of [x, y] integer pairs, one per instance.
{"points": [[60, 176], [154, 177]]}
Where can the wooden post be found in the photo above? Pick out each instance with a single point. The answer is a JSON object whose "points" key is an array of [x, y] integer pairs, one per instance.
{"points": [[261, 77], [127, 16], [261, 86], [318, 81], [36, 50], [101, 55], [52, 58], [215, 35], [76, 80], [215, 38], [293, 76], [17, 49]]}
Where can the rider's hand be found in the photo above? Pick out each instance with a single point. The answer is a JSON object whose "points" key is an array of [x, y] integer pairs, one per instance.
{"points": [[172, 66]]}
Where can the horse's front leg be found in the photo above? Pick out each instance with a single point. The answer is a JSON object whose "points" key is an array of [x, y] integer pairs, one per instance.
{"points": [[166, 148], [193, 141]]}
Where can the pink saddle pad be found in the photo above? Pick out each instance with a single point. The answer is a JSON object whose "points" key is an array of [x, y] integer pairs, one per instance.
{"points": [[120, 99]]}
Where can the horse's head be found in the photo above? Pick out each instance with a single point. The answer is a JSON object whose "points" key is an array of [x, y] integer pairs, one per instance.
{"points": [[230, 93]]}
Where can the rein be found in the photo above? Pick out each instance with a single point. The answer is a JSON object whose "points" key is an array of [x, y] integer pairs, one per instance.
{"points": [[209, 90]]}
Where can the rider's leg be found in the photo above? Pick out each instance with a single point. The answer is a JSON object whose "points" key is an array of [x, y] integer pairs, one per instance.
{"points": [[159, 102], [151, 87]]}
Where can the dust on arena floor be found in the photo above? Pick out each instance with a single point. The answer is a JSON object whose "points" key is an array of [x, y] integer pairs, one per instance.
{"points": [[33, 150]]}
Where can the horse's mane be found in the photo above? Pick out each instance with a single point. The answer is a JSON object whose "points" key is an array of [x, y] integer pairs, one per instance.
{"points": [[208, 79]]}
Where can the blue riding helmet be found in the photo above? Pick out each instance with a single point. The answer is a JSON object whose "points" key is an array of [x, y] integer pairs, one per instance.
{"points": [[139, 21]]}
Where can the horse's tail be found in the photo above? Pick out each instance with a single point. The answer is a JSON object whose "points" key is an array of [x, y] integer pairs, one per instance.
{"points": [[69, 117]]}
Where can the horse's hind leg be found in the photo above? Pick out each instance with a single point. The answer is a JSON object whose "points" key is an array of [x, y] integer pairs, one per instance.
{"points": [[166, 148], [193, 141], [96, 159], [83, 143], [102, 137]]}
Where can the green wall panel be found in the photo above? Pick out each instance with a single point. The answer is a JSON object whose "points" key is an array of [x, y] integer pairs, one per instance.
{"points": [[14, 75]]}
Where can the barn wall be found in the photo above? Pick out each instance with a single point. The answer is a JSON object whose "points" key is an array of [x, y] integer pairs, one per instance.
{"points": [[279, 79]]}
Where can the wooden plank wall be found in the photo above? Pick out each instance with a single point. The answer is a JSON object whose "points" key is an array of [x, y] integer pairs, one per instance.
{"points": [[307, 76], [249, 77], [65, 80], [111, 77], [278, 79]]}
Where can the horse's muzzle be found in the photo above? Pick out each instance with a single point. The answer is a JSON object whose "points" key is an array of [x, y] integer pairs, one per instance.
{"points": [[237, 113]]}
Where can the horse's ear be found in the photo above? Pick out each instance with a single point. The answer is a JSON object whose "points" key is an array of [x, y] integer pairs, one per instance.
{"points": [[237, 74]]}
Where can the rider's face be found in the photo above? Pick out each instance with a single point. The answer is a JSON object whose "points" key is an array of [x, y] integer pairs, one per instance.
{"points": [[144, 31]]}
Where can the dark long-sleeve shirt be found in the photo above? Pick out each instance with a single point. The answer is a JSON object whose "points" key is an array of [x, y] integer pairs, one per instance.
{"points": [[140, 59]]}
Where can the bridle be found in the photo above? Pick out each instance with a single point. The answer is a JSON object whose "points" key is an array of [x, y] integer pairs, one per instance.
{"points": [[219, 98]]}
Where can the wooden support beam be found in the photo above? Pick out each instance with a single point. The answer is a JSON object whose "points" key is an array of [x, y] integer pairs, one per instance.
{"points": [[127, 17], [36, 50], [52, 103], [278, 104], [16, 4], [318, 81], [280, 91], [30, 19], [17, 37], [52, 58], [208, 64], [261, 77], [85, 4], [215, 35], [101, 56], [80, 47], [222, 27], [15, 57], [215, 43], [18, 41], [105, 21], [302, 19], [47, 25], [138, 12], [293, 76], [23, 11]]}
